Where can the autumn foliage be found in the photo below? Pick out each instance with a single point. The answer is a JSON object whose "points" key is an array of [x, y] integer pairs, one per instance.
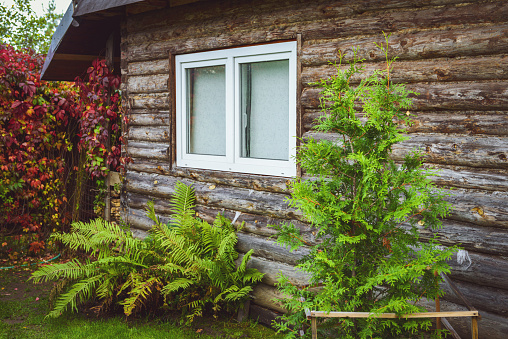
{"points": [[41, 123]]}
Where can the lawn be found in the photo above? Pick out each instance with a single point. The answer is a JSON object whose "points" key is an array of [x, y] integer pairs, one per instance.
{"points": [[23, 306]]}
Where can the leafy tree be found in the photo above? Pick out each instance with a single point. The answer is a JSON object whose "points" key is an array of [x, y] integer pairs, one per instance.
{"points": [[21, 27], [366, 209]]}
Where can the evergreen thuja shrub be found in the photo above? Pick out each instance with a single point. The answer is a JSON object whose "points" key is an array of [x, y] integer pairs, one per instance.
{"points": [[366, 209]]}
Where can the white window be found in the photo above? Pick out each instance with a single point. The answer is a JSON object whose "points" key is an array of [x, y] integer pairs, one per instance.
{"points": [[236, 109]]}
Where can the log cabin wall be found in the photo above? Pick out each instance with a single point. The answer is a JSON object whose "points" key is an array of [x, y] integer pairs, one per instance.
{"points": [[453, 52]]}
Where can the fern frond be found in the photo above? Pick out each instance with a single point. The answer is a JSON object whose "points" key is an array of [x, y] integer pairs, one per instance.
{"points": [[72, 270], [79, 293], [139, 294], [175, 285], [182, 203]]}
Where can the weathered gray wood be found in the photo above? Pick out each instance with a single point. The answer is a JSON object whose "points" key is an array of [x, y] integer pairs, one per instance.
{"points": [[478, 207], [466, 177], [250, 181], [269, 249], [149, 133], [471, 237], [160, 66], [485, 298], [251, 223], [263, 295], [461, 122], [478, 96], [148, 166], [272, 270], [149, 101], [161, 118], [212, 195], [147, 150], [484, 270], [493, 67], [473, 151], [491, 325], [470, 41], [263, 315], [148, 83]]}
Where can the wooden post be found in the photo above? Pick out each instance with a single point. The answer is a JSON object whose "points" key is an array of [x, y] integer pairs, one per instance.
{"points": [[110, 62], [313, 325], [474, 327], [438, 307]]}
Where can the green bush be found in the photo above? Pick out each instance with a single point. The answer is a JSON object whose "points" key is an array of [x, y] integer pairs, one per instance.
{"points": [[186, 265], [366, 209]]}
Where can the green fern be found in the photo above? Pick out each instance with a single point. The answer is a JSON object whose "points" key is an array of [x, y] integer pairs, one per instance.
{"points": [[187, 263]]}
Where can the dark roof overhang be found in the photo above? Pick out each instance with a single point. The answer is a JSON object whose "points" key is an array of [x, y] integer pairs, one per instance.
{"points": [[82, 34]]}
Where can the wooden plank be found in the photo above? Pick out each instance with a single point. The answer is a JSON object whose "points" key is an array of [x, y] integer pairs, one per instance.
{"points": [[454, 314], [449, 42], [476, 68], [471, 151], [151, 133], [491, 325], [477, 96], [490, 299], [148, 166], [217, 196], [152, 83]]}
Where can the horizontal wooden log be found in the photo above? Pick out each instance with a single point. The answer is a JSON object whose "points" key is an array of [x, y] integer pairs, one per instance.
{"points": [[269, 249], [345, 18], [217, 196], [479, 96], [242, 180], [492, 67], [251, 223], [490, 326], [489, 240], [460, 122], [263, 315], [480, 208], [272, 270], [485, 298], [158, 101], [148, 166], [160, 66], [443, 314], [152, 83], [161, 118], [450, 42], [471, 151], [264, 295], [465, 177], [480, 269], [149, 133], [147, 150]]}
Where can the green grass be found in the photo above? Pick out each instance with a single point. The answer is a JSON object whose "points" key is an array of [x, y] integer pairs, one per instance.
{"points": [[23, 317]]}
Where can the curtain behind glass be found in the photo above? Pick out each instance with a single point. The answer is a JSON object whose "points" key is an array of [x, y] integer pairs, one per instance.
{"points": [[265, 109], [206, 110]]}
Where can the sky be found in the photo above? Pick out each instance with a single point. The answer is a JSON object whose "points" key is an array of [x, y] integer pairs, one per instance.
{"points": [[38, 5]]}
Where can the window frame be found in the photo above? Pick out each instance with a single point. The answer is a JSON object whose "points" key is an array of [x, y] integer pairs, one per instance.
{"points": [[232, 58]]}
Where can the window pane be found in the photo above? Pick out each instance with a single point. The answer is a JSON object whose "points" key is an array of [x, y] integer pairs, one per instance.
{"points": [[265, 109], [206, 110]]}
